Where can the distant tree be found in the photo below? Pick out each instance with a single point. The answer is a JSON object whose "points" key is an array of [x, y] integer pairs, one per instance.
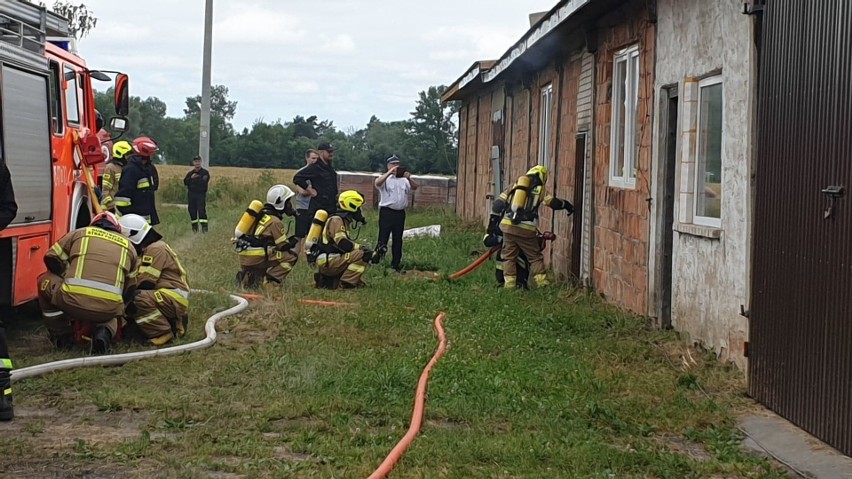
{"points": [[433, 130], [81, 20], [220, 106]]}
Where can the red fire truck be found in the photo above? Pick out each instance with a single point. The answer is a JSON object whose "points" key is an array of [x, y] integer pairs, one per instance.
{"points": [[47, 139]]}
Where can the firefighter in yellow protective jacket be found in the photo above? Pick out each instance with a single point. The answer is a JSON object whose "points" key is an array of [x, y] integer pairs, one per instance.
{"points": [[341, 261], [515, 214], [112, 173], [268, 254], [91, 274], [161, 301]]}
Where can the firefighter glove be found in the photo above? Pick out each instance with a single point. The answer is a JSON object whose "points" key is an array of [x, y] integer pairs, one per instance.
{"points": [[558, 204], [494, 224], [291, 243], [491, 240]]}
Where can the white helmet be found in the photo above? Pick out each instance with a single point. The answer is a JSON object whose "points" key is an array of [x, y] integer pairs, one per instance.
{"points": [[134, 227], [278, 195]]}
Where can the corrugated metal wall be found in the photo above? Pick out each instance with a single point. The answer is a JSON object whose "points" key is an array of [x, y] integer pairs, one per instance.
{"points": [[800, 353]]}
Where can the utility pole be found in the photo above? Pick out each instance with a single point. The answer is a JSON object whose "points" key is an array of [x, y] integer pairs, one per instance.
{"points": [[204, 133]]}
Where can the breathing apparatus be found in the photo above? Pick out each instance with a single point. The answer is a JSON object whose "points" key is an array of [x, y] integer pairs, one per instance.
{"points": [[524, 194]]}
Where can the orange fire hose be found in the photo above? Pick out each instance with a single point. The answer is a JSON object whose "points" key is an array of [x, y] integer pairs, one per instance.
{"points": [[475, 264], [419, 402]]}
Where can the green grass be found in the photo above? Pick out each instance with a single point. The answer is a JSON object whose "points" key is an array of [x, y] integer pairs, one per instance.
{"points": [[543, 384]]}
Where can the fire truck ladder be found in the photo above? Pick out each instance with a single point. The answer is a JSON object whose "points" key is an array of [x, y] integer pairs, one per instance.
{"points": [[27, 26]]}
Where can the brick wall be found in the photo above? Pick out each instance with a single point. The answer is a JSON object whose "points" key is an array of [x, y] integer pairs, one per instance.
{"points": [[431, 191], [622, 221]]}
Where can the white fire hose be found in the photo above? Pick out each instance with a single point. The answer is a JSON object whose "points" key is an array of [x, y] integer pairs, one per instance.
{"points": [[119, 359]]}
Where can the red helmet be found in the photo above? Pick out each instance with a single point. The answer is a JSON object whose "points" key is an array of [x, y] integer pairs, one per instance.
{"points": [[145, 146], [107, 221]]}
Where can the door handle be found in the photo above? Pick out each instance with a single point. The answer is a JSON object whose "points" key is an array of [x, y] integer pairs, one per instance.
{"points": [[35, 247], [833, 192]]}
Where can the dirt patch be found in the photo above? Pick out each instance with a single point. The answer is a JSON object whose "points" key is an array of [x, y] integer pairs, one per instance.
{"points": [[419, 275], [54, 430], [283, 453], [44, 468], [679, 445], [286, 424], [446, 424], [54, 443]]}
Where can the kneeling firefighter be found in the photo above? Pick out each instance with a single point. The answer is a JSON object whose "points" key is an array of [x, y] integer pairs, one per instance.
{"points": [[267, 254], [340, 260], [161, 301], [91, 274], [514, 215]]}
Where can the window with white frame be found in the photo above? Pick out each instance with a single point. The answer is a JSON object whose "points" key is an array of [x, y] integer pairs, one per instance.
{"points": [[708, 156], [624, 145], [545, 125]]}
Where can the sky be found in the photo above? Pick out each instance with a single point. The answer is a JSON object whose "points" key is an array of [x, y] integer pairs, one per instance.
{"points": [[342, 60]]}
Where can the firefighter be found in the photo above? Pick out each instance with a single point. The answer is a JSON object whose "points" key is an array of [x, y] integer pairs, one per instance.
{"points": [[112, 174], [8, 211], [514, 215], [161, 301], [196, 184], [91, 273], [521, 263], [341, 261], [139, 183], [269, 254]]}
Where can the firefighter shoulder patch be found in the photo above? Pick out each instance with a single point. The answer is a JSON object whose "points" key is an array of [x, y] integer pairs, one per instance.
{"points": [[147, 260]]}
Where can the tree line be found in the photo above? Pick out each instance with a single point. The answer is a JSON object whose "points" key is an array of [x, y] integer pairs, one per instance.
{"points": [[427, 141]]}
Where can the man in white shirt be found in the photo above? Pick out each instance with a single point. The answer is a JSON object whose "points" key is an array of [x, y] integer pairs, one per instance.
{"points": [[394, 187]]}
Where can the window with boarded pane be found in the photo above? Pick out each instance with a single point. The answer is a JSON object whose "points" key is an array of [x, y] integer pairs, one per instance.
{"points": [[624, 140], [708, 157]]}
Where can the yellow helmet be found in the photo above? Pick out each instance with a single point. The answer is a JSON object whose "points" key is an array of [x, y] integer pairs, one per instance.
{"points": [[350, 200], [540, 171], [121, 148]]}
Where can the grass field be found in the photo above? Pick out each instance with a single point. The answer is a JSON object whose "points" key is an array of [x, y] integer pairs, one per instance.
{"points": [[543, 384]]}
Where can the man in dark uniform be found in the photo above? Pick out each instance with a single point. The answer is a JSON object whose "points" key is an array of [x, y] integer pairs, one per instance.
{"points": [[196, 183], [8, 210], [321, 178], [139, 183]]}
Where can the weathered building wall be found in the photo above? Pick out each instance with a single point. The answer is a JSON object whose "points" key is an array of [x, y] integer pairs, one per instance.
{"points": [[622, 219], [696, 38], [461, 191], [482, 166]]}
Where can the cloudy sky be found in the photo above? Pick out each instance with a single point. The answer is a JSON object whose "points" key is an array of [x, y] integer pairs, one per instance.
{"points": [[342, 60]]}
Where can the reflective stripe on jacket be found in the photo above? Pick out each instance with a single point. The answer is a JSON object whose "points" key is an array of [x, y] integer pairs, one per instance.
{"points": [[99, 264]]}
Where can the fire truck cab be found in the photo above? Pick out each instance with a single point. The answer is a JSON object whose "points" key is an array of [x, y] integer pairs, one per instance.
{"points": [[48, 139]]}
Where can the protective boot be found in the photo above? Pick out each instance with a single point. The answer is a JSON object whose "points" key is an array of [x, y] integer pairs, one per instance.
{"points": [[541, 280], [195, 227], [203, 227], [510, 282], [6, 412], [101, 341]]}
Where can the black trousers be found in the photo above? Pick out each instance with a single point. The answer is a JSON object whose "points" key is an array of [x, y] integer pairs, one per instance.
{"points": [[303, 223], [197, 208], [391, 225]]}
